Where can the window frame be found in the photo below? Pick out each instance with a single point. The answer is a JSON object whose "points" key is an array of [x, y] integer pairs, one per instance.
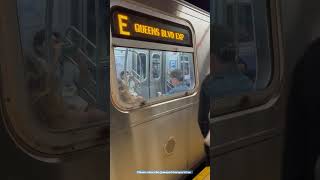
{"points": [[246, 100], [152, 46]]}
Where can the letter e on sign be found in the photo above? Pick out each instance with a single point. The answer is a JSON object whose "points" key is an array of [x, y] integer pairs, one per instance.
{"points": [[122, 24]]}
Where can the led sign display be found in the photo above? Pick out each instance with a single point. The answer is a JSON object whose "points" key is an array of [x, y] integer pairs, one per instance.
{"points": [[134, 25]]}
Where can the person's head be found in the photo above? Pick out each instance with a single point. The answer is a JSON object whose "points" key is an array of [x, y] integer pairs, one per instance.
{"points": [[176, 77], [224, 48], [123, 75], [39, 42]]}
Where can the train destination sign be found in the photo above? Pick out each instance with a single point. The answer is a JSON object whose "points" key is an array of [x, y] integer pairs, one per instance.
{"points": [[134, 25]]}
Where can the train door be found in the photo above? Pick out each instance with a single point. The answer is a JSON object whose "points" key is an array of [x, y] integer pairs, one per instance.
{"points": [[150, 117], [140, 71], [171, 64], [186, 70], [156, 84], [247, 113]]}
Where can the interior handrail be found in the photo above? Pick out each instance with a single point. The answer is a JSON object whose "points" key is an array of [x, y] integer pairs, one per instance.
{"points": [[72, 28]]}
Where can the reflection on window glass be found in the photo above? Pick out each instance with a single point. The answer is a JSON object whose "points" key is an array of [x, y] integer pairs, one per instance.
{"points": [[245, 23], [230, 16], [178, 76], [228, 76], [61, 61], [235, 46]]}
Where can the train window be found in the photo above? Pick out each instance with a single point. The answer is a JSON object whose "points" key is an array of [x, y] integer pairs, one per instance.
{"points": [[238, 37], [245, 23], [62, 60], [230, 16], [177, 76]]}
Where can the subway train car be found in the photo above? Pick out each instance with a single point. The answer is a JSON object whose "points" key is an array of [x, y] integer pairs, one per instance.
{"points": [[44, 133], [154, 125]]}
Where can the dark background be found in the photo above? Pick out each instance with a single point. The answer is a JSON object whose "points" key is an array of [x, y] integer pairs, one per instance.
{"points": [[203, 4]]}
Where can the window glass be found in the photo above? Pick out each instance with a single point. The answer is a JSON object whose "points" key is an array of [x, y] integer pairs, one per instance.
{"points": [[61, 61], [237, 52], [230, 16], [170, 73], [245, 23], [156, 66], [142, 65]]}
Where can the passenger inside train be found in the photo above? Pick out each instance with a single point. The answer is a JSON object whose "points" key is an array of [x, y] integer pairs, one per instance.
{"points": [[127, 89], [55, 85], [152, 74], [127, 78], [177, 82]]}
